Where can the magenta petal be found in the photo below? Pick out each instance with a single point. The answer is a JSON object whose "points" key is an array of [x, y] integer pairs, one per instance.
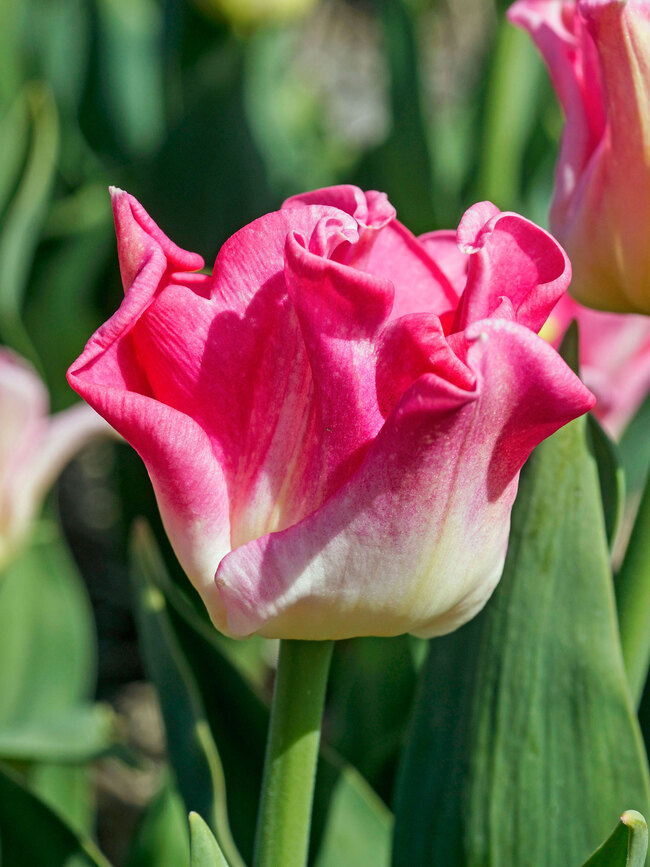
{"points": [[387, 249], [341, 312], [442, 247], [513, 258], [139, 239], [560, 35], [371, 210], [415, 540], [313, 430], [614, 358]]}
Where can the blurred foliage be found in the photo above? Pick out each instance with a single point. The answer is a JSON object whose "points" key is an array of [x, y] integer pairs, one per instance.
{"points": [[211, 113]]}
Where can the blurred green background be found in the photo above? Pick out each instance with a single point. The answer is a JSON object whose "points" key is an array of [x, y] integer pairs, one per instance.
{"points": [[210, 113]]}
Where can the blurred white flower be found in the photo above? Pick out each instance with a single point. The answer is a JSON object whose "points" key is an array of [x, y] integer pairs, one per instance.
{"points": [[34, 446]]}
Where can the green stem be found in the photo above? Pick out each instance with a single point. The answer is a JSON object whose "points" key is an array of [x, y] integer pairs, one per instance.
{"points": [[291, 753], [633, 600]]}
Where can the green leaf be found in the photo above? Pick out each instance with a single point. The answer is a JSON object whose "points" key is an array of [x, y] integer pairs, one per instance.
{"points": [[14, 132], [627, 845], [161, 839], [204, 849], [47, 640], [524, 745], [510, 112], [129, 38], [32, 834], [68, 790], [401, 165], [634, 448], [191, 746], [610, 475], [369, 697], [25, 215], [358, 825], [633, 598], [76, 734]]}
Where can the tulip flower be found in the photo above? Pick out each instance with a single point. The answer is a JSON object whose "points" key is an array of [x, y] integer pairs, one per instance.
{"points": [[598, 55], [334, 433], [614, 358], [34, 447]]}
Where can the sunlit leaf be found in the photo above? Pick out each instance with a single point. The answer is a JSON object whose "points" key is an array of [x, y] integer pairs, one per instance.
{"points": [[524, 746]]}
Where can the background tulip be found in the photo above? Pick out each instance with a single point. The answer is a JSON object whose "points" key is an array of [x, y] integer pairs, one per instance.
{"points": [[598, 55], [33, 447], [614, 358], [328, 426]]}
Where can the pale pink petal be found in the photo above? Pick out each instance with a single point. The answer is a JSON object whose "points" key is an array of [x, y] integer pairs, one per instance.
{"points": [[33, 472], [24, 404], [422, 526], [614, 358], [559, 33]]}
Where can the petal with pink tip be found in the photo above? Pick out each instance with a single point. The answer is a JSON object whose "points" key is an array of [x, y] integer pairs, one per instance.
{"points": [[397, 547], [386, 249], [509, 257]]}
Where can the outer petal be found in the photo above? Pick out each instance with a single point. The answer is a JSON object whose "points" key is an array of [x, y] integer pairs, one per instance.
{"points": [[513, 258], [606, 229], [415, 541], [188, 481], [558, 31]]}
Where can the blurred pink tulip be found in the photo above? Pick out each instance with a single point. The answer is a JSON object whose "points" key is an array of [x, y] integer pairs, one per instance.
{"points": [[598, 55], [34, 447], [330, 427], [614, 358]]}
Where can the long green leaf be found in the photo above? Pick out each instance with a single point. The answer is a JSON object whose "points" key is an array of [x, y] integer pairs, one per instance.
{"points": [[611, 477], [524, 746], [358, 825], [47, 641], [204, 849], [626, 846], [633, 599], [25, 215], [130, 37], [161, 839], [193, 752], [510, 112], [33, 834], [76, 734], [401, 165]]}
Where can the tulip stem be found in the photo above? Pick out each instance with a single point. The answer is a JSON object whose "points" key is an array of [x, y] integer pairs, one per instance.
{"points": [[284, 818]]}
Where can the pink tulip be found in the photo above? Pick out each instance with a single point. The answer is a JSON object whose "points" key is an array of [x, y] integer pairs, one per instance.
{"points": [[34, 447], [614, 358], [333, 434], [598, 55]]}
